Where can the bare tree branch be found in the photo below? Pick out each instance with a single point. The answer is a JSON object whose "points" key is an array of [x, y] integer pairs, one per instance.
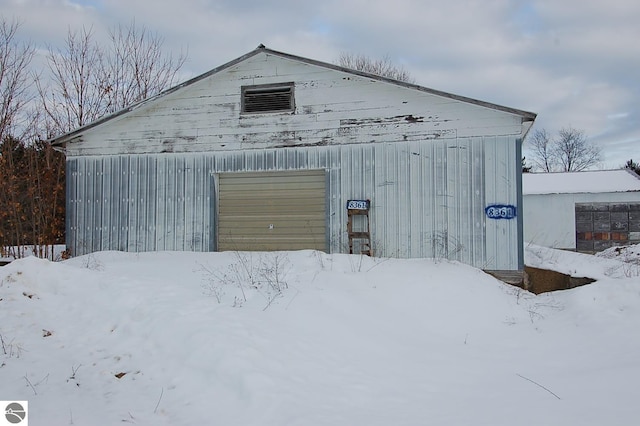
{"points": [[540, 143], [569, 152], [15, 83], [90, 81], [137, 67], [382, 67], [76, 94], [573, 151]]}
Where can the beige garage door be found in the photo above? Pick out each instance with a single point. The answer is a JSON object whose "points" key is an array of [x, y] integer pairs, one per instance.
{"points": [[269, 211]]}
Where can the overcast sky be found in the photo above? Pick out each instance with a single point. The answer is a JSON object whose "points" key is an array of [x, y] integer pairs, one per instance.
{"points": [[573, 62]]}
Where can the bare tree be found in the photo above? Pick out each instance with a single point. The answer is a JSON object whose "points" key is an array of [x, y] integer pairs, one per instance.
{"points": [[568, 152], [89, 81], [15, 81], [137, 67], [32, 197], [76, 94], [574, 152], [12, 197], [86, 80], [31, 173], [46, 198], [543, 157], [383, 67]]}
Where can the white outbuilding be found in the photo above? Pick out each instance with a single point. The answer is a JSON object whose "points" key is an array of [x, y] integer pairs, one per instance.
{"points": [[585, 211], [273, 151]]}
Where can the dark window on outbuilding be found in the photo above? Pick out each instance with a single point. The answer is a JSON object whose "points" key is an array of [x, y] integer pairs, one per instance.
{"points": [[268, 98]]}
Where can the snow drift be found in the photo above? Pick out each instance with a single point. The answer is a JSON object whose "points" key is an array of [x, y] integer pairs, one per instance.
{"points": [[306, 338]]}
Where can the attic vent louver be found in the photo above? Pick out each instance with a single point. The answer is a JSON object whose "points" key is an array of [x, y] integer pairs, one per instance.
{"points": [[268, 98]]}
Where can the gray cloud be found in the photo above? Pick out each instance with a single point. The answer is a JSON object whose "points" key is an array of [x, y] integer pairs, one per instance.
{"points": [[573, 62]]}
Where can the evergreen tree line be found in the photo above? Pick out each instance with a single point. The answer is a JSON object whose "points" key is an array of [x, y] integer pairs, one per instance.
{"points": [[633, 166]]}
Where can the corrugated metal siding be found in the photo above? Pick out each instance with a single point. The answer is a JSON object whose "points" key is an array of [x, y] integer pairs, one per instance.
{"points": [[502, 188], [428, 197], [139, 203]]}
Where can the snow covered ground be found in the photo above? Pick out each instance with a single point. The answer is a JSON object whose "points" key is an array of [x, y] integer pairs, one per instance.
{"points": [[305, 338]]}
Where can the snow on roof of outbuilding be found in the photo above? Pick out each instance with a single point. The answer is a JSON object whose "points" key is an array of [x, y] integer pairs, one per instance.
{"points": [[596, 181]]}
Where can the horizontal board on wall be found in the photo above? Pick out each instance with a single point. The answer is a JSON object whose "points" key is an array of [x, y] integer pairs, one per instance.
{"points": [[331, 107]]}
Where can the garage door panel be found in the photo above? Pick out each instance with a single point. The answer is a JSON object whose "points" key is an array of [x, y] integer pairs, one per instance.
{"points": [[302, 233], [281, 222], [253, 228], [247, 244], [272, 199], [296, 184], [272, 211], [274, 242], [291, 192], [277, 178], [288, 200]]}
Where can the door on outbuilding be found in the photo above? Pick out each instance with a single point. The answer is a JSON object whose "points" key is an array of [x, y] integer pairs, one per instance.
{"points": [[269, 211]]}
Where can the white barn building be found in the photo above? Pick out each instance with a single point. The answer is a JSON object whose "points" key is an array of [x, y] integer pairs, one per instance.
{"points": [[585, 211], [263, 153]]}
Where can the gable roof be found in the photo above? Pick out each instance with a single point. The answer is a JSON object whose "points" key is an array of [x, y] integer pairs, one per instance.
{"points": [[596, 181], [527, 117]]}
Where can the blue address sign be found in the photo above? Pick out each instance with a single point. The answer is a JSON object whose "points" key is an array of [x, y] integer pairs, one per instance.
{"points": [[358, 204], [500, 211]]}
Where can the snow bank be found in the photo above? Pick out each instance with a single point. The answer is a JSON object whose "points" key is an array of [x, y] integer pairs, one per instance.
{"points": [[305, 338]]}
